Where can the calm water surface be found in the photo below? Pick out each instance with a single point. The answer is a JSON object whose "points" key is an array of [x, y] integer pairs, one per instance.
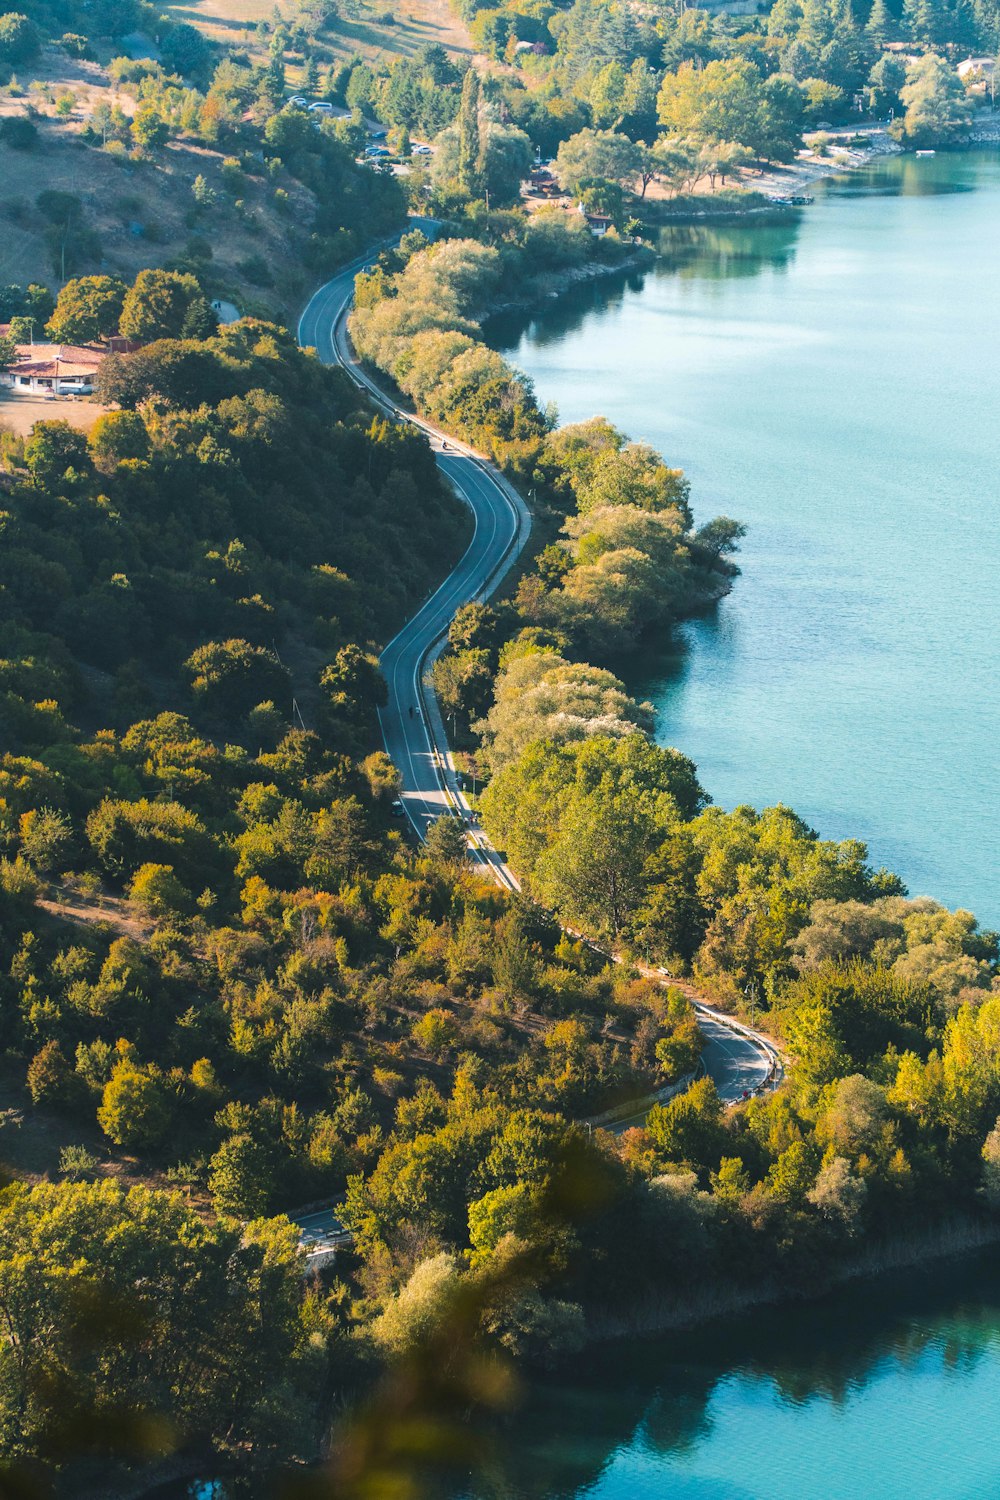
{"points": [[888, 1392], [834, 383]]}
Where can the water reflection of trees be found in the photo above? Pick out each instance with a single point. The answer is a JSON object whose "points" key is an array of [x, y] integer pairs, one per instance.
{"points": [[691, 251], [660, 1394], [560, 315], [719, 253], [906, 177]]}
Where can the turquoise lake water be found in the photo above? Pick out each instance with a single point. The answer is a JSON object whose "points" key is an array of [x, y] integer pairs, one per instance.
{"points": [[884, 1392], [834, 383]]}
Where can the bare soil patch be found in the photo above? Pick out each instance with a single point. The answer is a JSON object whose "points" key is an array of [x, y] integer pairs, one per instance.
{"points": [[20, 413], [107, 911]]}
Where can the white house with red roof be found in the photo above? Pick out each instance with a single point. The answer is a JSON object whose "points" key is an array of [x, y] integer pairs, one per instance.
{"points": [[53, 369]]}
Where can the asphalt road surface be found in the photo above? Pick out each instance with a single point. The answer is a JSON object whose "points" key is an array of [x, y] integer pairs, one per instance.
{"points": [[411, 723], [412, 728], [737, 1064]]}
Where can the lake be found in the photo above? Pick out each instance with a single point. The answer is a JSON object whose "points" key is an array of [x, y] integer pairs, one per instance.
{"points": [[834, 382], [886, 1390], [889, 1390]]}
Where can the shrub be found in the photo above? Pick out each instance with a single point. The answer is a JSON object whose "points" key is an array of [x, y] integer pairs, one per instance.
{"points": [[18, 132]]}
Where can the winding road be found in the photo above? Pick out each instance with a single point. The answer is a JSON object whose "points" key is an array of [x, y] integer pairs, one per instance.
{"points": [[738, 1059]]}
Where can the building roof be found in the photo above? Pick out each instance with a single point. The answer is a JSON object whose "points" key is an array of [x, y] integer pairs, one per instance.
{"points": [[63, 360], [61, 369]]}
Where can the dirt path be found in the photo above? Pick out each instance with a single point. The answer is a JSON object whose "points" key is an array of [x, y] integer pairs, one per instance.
{"points": [[109, 911]]}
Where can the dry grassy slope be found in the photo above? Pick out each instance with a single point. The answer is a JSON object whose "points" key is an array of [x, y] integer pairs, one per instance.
{"points": [[359, 29], [156, 195]]}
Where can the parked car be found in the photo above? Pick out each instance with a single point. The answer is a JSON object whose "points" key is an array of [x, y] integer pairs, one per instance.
{"points": [[397, 808], [321, 107], [298, 102], [420, 151]]}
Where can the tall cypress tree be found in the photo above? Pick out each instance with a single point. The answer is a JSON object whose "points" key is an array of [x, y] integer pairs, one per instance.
{"points": [[817, 24], [881, 23], [469, 144]]}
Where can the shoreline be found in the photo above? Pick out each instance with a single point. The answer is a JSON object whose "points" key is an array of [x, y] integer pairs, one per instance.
{"points": [[551, 284], [949, 1240], [786, 180], [809, 168], [789, 179]]}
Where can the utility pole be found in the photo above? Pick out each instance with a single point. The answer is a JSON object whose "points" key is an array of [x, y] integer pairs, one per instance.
{"points": [[752, 997]]}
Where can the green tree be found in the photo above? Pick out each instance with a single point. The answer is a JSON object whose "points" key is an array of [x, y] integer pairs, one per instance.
{"points": [[232, 677], [689, 1129], [241, 1177], [435, 1031], [445, 842], [793, 1175], [935, 102], [202, 193], [156, 304], [149, 129], [125, 835], [839, 1193], [166, 1322], [720, 537], [469, 143], [885, 82], [155, 891], [20, 39], [55, 452], [354, 685], [729, 100], [118, 436], [135, 1110], [597, 155], [46, 839], [87, 308], [731, 1181], [50, 1077], [420, 1307], [881, 24]]}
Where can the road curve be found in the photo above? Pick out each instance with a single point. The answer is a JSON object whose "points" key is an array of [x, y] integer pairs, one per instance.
{"points": [[412, 728], [738, 1059]]}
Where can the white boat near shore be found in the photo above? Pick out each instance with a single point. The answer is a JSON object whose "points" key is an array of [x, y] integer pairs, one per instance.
{"points": [[925, 153]]}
